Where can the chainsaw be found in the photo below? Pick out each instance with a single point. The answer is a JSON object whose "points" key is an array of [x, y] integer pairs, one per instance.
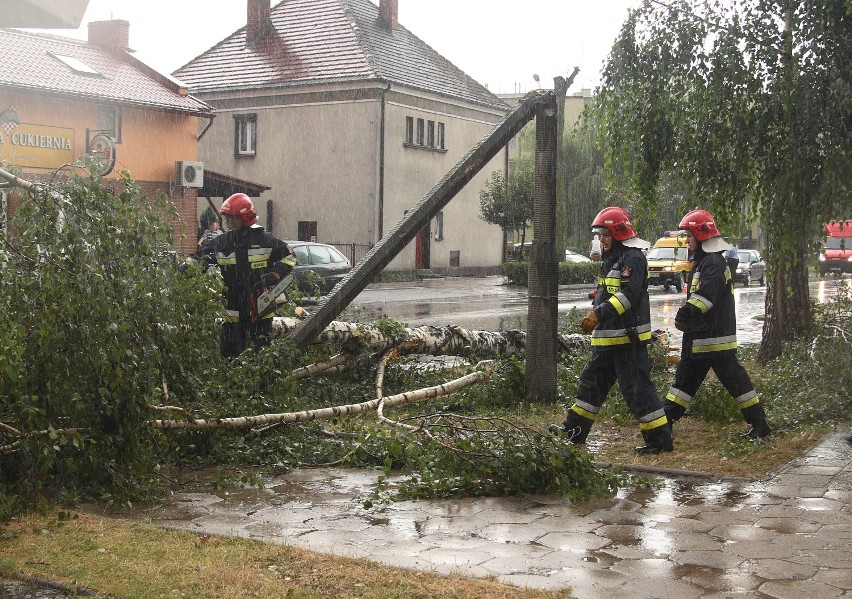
{"points": [[265, 303]]}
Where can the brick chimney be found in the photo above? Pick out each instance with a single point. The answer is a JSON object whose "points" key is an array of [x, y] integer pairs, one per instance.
{"points": [[389, 13], [112, 35], [257, 21]]}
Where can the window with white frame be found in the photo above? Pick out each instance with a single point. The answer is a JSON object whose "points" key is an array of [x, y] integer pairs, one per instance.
{"points": [[245, 134], [409, 130], [109, 122], [424, 134], [420, 130]]}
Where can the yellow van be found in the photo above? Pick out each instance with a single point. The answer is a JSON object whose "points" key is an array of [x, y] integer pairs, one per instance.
{"points": [[668, 262]]}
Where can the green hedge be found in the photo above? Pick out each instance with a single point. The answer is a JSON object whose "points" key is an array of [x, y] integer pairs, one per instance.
{"points": [[569, 272]]}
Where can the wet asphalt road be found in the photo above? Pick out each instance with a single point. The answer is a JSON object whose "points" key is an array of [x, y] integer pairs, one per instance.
{"points": [[487, 304]]}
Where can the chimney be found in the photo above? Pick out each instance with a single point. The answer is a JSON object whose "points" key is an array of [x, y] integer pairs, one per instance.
{"points": [[257, 21], [389, 13], [112, 35]]}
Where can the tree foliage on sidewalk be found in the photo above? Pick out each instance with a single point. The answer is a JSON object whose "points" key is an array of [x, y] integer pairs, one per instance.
{"points": [[749, 107]]}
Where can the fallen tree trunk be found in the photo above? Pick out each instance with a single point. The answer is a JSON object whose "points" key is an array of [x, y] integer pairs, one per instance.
{"points": [[430, 340]]}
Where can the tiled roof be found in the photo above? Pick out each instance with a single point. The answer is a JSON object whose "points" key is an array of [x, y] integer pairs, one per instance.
{"points": [[329, 41], [28, 62]]}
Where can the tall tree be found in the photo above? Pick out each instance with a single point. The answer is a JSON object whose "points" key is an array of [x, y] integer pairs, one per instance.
{"points": [[748, 105], [509, 204]]}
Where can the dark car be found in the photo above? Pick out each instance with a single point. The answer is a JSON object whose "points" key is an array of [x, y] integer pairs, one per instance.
{"points": [[324, 261], [751, 268]]}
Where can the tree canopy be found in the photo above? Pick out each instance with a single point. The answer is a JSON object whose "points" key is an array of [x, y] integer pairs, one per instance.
{"points": [[747, 106], [509, 205]]}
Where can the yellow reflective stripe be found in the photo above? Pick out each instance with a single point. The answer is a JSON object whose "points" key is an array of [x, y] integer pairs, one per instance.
{"points": [[646, 426], [679, 397], [616, 303], [602, 341], [644, 336], [225, 259], [747, 400], [587, 406], [584, 413], [232, 316], [703, 349], [700, 302], [612, 282], [288, 262]]}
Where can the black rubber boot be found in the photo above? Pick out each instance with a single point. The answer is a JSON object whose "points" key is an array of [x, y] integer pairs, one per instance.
{"points": [[576, 428], [674, 412], [757, 431], [657, 440], [755, 416]]}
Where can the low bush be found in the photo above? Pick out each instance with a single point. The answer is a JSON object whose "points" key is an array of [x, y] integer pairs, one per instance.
{"points": [[570, 273]]}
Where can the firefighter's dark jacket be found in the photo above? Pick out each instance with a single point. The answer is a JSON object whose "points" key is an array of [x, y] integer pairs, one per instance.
{"points": [[709, 311], [621, 299], [243, 258]]}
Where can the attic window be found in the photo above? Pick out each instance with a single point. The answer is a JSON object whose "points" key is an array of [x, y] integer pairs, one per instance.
{"points": [[76, 65]]}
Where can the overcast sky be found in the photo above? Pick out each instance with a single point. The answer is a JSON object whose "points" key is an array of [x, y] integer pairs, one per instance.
{"points": [[499, 47]]}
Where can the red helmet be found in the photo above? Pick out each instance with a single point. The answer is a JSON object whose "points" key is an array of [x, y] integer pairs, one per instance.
{"points": [[701, 223], [617, 221], [240, 205]]}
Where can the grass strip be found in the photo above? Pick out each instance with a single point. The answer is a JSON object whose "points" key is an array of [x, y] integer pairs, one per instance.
{"points": [[124, 559]]}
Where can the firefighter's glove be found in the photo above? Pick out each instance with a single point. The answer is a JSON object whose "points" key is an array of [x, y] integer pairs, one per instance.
{"points": [[266, 281], [589, 322]]}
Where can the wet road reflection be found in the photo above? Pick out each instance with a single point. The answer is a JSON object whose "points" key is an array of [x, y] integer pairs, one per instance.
{"points": [[508, 309]]}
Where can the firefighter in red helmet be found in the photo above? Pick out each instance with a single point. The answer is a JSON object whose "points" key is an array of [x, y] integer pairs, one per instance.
{"points": [[620, 325], [250, 259], [709, 324]]}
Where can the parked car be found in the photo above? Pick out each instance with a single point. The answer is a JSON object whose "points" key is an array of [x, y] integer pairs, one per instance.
{"points": [[575, 257], [322, 260], [751, 268]]}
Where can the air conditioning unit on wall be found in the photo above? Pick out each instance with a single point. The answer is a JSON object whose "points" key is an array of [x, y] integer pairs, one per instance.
{"points": [[189, 173]]}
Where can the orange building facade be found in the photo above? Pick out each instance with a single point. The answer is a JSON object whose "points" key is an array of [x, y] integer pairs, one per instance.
{"points": [[61, 99]]}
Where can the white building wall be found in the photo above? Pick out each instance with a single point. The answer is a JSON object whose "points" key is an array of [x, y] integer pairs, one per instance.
{"points": [[322, 162]]}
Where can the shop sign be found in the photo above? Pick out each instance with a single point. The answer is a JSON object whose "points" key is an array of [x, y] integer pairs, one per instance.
{"points": [[34, 146], [103, 148]]}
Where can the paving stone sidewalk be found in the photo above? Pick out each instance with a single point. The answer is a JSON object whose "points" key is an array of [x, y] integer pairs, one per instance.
{"points": [[787, 537]]}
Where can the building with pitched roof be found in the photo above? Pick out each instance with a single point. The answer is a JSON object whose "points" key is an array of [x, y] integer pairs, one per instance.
{"points": [[350, 119], [62, 98]]}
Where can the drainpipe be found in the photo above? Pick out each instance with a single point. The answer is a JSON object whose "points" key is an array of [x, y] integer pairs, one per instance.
{"points": [[206, 127], [381, 211]]}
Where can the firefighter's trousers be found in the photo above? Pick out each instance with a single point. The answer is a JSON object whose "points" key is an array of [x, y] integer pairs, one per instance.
{"points": [[630, 366], [691, 373]]}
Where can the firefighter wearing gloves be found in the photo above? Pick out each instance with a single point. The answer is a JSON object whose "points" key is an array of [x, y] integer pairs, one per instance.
{"points": [[250, 260], [620, 325], [709, 324]]}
